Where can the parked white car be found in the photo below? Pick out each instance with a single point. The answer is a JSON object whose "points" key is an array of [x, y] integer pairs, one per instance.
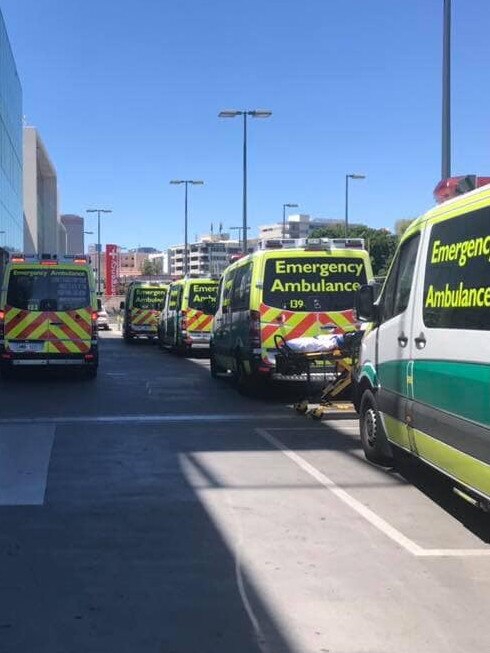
{"points": [[103, 319]]}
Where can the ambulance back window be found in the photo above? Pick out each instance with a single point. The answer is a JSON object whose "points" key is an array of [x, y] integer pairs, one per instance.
{"points": [[204, 297], [48, 289], [316, 283], [149, 299]]}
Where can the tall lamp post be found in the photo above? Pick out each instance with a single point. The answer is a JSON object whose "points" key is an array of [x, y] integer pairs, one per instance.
{"points": [[239, 229], [254, 114], [99, 246], [446, 93], [347, 177], [284, 207], [186, 182]]}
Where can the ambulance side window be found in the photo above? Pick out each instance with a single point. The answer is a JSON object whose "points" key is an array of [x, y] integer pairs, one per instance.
{"points": [[241, 288], [396, 292], [227, 290], [174, 298]]}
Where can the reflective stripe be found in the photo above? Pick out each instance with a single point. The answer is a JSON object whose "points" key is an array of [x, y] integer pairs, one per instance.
{"points": [[289, 324], [140, 317], [63, 331], [198, 320]]}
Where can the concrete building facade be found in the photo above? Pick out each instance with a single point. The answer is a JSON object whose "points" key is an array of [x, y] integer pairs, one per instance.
{"points": [[298, 226], [11, 213], [43, 233], [74, 226], [209, 256]]}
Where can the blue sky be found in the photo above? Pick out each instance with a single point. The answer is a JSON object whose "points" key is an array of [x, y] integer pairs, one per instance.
{"points": [[126, 96]]}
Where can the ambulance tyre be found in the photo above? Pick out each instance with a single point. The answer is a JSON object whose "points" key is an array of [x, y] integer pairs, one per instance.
{"points": [[247, 384], [6, 372], [91, 372], [373, 437], [128, 338], [214, 368]]}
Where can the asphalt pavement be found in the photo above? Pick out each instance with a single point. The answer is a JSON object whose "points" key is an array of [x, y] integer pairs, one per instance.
{"points": [[156, 510]]}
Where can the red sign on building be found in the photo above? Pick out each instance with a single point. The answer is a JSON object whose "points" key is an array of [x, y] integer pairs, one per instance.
{"points": [[111, 269]]}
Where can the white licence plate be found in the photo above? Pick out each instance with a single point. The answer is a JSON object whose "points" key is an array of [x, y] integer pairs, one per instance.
{"points": [[26, 347]]}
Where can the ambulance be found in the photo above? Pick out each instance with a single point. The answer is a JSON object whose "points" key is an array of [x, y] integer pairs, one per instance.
{"points": [[289, 288], [186, 321], [48, 314], [423, 383], [142, 307]]}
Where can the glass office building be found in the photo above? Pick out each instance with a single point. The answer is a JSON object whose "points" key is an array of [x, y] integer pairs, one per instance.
{"points": [[11, 203]]}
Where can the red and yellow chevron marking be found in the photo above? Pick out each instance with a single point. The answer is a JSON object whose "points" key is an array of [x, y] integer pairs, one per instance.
{"points": [[144, 317], [198, 321], [290, 324], [66, 332]]}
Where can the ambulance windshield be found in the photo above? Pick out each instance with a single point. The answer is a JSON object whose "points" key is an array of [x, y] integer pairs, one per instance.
{"points": [[316, 283], [203, 297], [149, 299], [48, 289]]}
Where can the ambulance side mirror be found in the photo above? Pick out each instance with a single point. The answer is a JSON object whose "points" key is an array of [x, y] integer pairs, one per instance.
{"points": [[366, 307], [99, 304], [122, 306]]}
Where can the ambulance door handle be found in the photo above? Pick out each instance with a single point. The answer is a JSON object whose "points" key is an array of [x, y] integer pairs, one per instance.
{"points": [[56, 323], [420, 342], [402, 340]]}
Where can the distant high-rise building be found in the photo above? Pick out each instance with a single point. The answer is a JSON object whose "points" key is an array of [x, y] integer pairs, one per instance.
{"points": [[74, 225], [11, 217], [42, 224]]}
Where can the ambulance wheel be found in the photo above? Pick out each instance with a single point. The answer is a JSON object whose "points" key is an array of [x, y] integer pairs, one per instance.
{"points": [[214, 368], [128, 338], [6, 372], [91, 372], [373, 437]]}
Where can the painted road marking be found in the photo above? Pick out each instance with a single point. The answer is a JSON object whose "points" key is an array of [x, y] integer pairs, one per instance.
{"points": [[24, 459], [146, 419], [375, 520]]}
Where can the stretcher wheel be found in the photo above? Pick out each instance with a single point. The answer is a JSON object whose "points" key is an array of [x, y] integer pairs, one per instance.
{"points": [[318, 412], [301, 407]]}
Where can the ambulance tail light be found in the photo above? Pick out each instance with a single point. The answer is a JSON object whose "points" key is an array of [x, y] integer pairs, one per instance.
{"points": [[2, 324], [254, 329], [183, 321], [452, 187], [49, 262], [17, 259]]}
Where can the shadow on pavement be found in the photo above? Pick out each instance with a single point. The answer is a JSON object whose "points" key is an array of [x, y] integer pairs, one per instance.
{"points": [[124, 556]]}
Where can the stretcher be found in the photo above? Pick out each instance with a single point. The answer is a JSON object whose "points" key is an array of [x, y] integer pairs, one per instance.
{"points": [[334, 367]]}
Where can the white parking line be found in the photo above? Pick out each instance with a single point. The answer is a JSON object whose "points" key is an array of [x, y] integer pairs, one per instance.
{"points": [[148, 419], [24, 461], [365, 512]]}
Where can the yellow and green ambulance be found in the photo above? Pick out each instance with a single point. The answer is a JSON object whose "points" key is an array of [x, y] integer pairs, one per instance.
{"points": [[142, 307], [289, 288], [48, 314], [423, 383], [187, 318]]}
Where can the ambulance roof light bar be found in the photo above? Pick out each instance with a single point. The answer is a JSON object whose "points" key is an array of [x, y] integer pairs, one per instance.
{"points": [[313, 243], [452, 187]]}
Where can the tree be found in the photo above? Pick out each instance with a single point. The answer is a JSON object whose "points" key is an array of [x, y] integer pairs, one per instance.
{"points": [[402, 225], [148, 268], [380, 243]]}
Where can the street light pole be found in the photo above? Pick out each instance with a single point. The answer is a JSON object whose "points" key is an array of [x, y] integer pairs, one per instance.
{"points": [[284, 207], [446, 93], [99, 246], [244, 212], [347, 177], [186, 183], [255, 114]]}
